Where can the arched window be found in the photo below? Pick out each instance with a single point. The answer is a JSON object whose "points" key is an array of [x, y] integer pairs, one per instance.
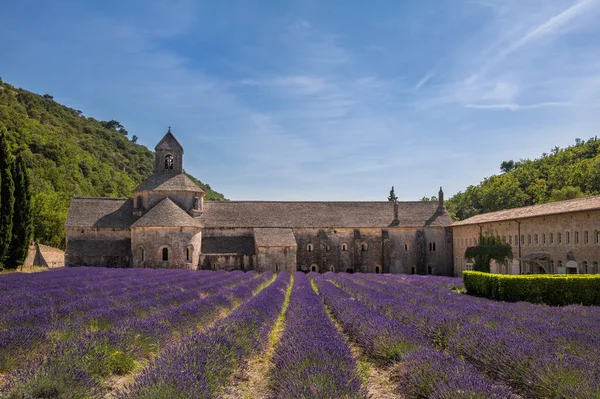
{"points": [[141, 253], [165, 254], [406, 246], [189, 253], [332, 269], [276, 268], [243, 266], [364, 247], [214, 266], [584, 267], [413, 270], [344, 247], [377, 269], [309, 247], [314, 268], [138, 202], [169, 161], [429, 270]]}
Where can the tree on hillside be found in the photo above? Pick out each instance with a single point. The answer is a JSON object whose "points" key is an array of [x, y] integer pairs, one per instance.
{"points": [[507, 166], [566, 193], [22, 217], [392, 197], [490, 247], [7, 198]]}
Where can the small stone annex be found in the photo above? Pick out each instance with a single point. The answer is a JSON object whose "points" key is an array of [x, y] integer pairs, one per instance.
{"points": [[168, 224]]}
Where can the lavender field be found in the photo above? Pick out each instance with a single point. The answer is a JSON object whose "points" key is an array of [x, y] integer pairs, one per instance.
{"points": [[143, 333]]}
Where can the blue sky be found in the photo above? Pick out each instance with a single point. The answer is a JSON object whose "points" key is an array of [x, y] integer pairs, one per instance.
{"points": [[321, 100]]}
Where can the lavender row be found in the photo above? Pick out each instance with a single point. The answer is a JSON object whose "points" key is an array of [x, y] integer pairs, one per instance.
{"points": [[553, 358], [425, 372], [86, 361], [37, 334], [201, 366], [31, 296], [70, 304], [381, 338], [312, 359]]}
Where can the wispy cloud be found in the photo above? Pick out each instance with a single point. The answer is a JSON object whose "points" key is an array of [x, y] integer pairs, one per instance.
{"points": [[552, 26], [518, 107]]}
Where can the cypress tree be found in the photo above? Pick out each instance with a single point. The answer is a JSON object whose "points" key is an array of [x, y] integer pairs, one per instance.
{"points": [[7, 193], [22, 217]]}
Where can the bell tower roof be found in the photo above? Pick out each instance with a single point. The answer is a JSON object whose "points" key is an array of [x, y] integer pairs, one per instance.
{"points": [[169, 155], [169, 142]]}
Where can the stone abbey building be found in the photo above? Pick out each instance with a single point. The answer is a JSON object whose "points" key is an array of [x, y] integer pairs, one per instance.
{"points": [[168, 223], [556, 238]]}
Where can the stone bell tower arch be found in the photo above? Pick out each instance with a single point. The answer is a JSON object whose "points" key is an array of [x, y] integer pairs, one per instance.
{"points": [[169, 155]]}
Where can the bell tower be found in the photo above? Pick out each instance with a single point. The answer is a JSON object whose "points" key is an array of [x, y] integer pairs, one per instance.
{"points": [[169, 155]]}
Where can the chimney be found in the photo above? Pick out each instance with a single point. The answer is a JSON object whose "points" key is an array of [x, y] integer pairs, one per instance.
{"points": [[441, 200]]}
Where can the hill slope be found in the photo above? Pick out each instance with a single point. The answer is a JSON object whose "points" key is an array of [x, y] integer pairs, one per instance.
{"points": [[68, 154], [562, 174]]}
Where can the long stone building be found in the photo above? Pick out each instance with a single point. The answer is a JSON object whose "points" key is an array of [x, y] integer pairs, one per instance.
{"points": [[558, 237], [168, 223]]}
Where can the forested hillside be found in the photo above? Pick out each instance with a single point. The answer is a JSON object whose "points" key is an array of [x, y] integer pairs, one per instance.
{"points": [[562, 174], [69, 154]]}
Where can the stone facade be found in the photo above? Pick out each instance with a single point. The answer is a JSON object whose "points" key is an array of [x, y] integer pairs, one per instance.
{"points": [[561, 237], [167, 223]]}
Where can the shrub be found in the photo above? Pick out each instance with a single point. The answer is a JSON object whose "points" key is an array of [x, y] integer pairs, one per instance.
{"points": [[552, 289]]}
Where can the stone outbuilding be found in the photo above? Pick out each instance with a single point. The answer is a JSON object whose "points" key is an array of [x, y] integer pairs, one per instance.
{"points": [[557, 237]]}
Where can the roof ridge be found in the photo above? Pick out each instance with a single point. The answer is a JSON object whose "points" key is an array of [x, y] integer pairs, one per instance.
{"points": [[103, 198], [317, 202]]}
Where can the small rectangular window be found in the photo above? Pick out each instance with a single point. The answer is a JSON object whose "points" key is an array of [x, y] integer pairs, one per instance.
{"points": [[586, 237], [522, 239], [597, 235], [536, 238], [577, 237], [528, 239], [406, 247], [559, 238], [568, 235], [543, 238], [551, 238]]}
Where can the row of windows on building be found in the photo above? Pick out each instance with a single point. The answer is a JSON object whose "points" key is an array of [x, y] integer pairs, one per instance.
{"points": [[164, 254], [364, 247], [568, 238]]}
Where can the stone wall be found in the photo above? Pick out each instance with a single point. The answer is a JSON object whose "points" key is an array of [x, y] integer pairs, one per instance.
{"points": [[227, 262], [184, 199], [183, 246], [98, 247], [572, 237], [373, 250], [276, 259]]}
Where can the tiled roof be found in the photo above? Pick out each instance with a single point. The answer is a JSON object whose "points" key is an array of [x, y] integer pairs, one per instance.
{"points": [[100, 213], [240, 245], [45, 249], [551, 208], [274, 238], [169, 141], [256, 214], [168, 181], [166, 214]]}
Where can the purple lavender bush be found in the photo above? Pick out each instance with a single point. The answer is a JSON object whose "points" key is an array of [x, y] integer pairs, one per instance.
{"points": [[312, 359]]}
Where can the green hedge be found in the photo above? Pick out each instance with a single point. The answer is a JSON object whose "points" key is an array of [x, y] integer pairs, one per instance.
{"points": [[551, 289]]}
